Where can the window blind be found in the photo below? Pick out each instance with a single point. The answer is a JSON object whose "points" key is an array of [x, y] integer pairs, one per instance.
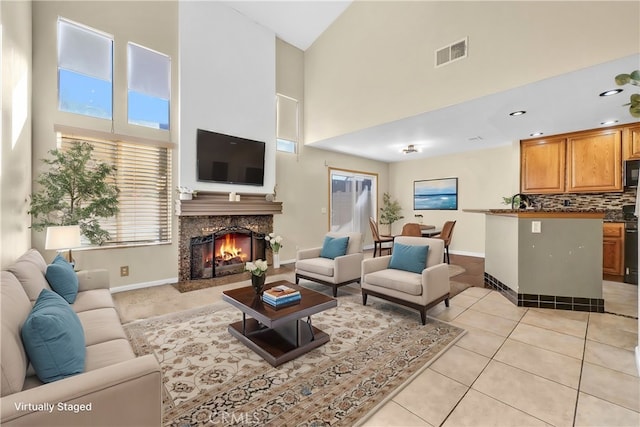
{"points": [[84, 50], [143, 176], [287, 118], [148, 72]]}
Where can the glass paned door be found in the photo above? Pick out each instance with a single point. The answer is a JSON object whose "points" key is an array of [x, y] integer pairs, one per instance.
{"points": [[352, 200]]}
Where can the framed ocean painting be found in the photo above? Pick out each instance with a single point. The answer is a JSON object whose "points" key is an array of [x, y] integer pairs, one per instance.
{"points": [[435, 194]]}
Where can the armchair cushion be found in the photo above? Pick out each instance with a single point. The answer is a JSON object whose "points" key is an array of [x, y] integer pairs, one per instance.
{"points": [[323, 266], [53, 338], [334, 247], [409, 258], [62, 279], [398, 280]]}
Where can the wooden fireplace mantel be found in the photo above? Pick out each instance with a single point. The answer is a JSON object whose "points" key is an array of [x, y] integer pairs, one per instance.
{"points": [[211, 204]]}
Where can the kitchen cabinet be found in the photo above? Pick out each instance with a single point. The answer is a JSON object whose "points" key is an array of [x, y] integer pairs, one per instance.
{"points": [[542, 166], [580, 162], [594, 162], [613, 248], [631, 142]]}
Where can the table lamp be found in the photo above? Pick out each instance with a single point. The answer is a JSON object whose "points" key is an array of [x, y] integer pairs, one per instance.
{"points": [[63, 237]]}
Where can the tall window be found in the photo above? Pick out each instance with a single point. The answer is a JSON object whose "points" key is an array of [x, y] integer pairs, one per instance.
{"points": [[287, 124], [149, 85], [144, 179], [85, 70], [353, 200]]}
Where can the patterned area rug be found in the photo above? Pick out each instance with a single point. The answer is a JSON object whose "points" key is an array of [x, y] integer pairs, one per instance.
{"points": [[210, 377]]}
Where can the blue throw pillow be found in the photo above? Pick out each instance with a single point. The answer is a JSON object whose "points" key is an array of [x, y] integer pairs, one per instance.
{"points": [[62, 279], [53, 338], [334, 247], [409, 258]]}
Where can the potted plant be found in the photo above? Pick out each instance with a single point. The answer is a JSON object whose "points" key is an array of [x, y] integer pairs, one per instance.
{"points": [[634, 100], [76, 190], [390, 211], [258, 270], [276, 243]]}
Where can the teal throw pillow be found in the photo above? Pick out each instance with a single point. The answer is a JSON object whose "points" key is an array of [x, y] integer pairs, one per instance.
{"points": [[334, 247], [53, 338], [409, 258], [62, 279]]}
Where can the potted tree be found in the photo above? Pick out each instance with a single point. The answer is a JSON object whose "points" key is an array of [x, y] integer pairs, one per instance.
{"points": [[390, 211], [75, 190]]}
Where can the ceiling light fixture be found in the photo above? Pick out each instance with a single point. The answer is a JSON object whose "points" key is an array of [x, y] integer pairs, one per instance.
{"points": [[518, 113], [611, 92], [410, 149], [536, 134], [609, 122]]}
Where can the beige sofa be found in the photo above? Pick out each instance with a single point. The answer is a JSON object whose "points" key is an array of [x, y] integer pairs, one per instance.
{"points": [[116, 389]]}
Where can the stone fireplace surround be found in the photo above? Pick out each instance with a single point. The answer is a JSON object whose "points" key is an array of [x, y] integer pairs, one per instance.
{"points": [[210, 212]]}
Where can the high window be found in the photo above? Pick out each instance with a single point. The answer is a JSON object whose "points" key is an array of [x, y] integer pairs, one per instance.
{"points": [[149, 87], [144, 179], [287, 124], [85, 70]]}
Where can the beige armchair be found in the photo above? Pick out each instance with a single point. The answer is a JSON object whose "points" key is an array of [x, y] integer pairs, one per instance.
{"points": [[335, 272], [420, 291]]}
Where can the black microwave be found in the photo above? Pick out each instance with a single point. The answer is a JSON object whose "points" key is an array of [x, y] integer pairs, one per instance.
{"points": [[631, 169]]}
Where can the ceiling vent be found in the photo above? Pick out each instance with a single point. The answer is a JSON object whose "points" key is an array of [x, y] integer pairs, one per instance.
{"points": [[410, 149], [452, 52]]}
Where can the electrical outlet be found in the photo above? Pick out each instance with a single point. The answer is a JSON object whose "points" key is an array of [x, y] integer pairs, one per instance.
{"points": [[536, 227], [124, 270]]}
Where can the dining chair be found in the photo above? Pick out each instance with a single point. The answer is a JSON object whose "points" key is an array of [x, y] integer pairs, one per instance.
{"points": [[412, 229], [445, 235], [379, 241]]}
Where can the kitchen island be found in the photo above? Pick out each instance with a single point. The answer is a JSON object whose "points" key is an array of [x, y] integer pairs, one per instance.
{"points": [[546, 259]]}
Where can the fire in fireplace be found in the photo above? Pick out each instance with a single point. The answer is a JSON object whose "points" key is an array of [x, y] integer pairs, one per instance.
{"points": [[225, 252]]}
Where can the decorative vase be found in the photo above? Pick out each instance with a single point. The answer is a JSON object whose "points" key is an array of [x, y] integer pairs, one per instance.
{"points": [[257, 283], [276, 260]]}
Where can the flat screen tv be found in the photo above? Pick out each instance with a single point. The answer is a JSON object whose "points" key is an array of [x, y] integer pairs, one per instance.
{"points": [[435, 194], [229, 159]]}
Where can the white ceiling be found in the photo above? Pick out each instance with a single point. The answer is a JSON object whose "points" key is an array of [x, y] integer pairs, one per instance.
{"points": [[561, 104]]}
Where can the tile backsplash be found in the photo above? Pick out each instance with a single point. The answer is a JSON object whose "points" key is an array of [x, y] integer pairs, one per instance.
{"points": [[611, 202]]}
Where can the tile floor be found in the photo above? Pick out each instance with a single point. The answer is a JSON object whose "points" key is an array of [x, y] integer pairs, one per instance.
{"points": [[526, 367]]}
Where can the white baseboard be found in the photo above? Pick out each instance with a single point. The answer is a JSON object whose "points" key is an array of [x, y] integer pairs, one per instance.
{"points": [[143, 285]]}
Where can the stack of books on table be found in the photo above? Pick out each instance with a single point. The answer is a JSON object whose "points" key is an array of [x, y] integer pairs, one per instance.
{"points": [[279, 296]]}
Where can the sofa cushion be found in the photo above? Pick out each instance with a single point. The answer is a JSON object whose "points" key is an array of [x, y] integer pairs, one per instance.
{"points": [[409, 258], [92, 300], [398, 280], [14, 309], [101, 325], [30, 269], [62, 279], [334, 247], [322, 266], [108, 353], [53, 338]]}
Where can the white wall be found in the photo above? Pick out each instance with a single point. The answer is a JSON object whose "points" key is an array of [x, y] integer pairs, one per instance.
{"points": [[227, 85], [484, 177], [15, 154]]}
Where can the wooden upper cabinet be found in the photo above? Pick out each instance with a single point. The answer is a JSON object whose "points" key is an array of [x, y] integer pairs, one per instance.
{"points": [[594, 161], [542, 166], [631, 142]]}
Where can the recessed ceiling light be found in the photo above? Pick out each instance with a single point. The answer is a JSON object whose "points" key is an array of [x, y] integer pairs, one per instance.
{"points": [[611, 92], [518, 113], [536, 134], [609, 122]]}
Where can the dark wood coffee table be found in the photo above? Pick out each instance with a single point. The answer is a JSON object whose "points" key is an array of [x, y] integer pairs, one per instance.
{"points": [[278, 334]]}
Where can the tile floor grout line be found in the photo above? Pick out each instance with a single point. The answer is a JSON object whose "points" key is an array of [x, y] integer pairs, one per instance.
{"points": [[584, 351]]}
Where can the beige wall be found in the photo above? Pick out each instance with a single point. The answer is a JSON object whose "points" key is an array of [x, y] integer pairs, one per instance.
{"points": [[151, 24], [303, 178], [15, 154], [484, 177], [375, 64]]}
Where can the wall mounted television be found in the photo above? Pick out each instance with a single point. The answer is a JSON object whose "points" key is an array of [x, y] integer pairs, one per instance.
{"points": [[435, 194], [229, 159]]}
